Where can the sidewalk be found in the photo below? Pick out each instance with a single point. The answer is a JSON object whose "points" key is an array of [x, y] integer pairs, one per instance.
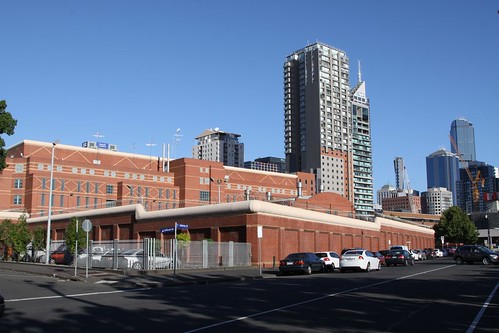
{"points": [[137, 279]]}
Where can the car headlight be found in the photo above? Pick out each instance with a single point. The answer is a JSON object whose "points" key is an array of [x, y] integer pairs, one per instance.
{"points": [[493, 256]]}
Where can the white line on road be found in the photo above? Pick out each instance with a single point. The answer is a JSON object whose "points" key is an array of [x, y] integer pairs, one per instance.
{"points": [[74, 295], [313, 300], [484, 307]]}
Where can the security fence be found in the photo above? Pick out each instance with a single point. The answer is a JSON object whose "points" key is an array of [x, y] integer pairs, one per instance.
{"points": [[152, 254]]}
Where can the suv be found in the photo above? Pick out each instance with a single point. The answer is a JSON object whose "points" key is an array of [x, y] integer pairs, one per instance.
{"points": [[330, 258], [475, 253]]}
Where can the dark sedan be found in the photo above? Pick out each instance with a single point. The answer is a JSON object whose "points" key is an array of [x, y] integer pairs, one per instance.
{"points": [[303, 262], [399, 257]]}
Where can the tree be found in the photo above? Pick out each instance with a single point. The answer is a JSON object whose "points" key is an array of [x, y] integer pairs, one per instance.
{"points": [[456, 227], [71, 236], [7, 126], [20, 236]]}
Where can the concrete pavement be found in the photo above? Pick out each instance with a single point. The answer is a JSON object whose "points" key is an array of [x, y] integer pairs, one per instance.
{"points": [[137, 279]]}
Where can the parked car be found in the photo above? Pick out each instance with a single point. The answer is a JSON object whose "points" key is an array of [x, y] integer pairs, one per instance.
{"points": [[380, 256], [352, 248], [399, 257], [399, 247], [2, 305], [302, 262], [430, 253], [61, 256], [475, 253], [134, 259], [331, 260], [438, 253], [359, 260]]}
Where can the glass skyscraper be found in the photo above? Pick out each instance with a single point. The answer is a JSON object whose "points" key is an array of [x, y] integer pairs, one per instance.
{"points": [[442, 170], [462, 136]]}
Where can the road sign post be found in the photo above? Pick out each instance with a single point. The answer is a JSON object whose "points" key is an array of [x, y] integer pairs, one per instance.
{"points": [[87, 226]]}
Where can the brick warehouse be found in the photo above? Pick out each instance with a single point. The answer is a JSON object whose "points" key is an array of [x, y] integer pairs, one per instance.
{"points": [[217, 202]]}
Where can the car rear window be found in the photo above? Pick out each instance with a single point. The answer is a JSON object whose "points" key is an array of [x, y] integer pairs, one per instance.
{"points": [[353, 253]]}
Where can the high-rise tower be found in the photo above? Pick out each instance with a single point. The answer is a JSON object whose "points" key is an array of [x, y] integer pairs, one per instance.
{"points": [[462, 136], [362, 152], [220, 146], [323, 118], [442, 170], [399, 169]]}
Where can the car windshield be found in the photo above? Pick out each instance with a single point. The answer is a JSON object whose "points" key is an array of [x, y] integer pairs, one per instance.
{"points": [[486, 250], [321, 254]]}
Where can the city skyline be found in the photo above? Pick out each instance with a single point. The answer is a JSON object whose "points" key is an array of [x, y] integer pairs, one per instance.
{"points": [[132, 75]]}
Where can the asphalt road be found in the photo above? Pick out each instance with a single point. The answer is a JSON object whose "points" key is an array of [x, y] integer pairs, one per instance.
{"points": [[432, 296]]}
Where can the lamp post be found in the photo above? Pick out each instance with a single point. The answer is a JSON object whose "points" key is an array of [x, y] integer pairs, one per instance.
{"points": [[47, 245], [489, 240]]}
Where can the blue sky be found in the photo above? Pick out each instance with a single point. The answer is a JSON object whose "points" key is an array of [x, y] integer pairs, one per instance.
{"points": [[136, 71]]}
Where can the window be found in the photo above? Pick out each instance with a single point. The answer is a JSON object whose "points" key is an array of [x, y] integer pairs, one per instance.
{"points": [[18, 200], [18, 183], [204, 195], [44, 183], [109, 189], [19, 168]]}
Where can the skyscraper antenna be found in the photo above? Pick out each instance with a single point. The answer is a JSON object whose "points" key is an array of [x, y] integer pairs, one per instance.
{"points": [[176, 136]]}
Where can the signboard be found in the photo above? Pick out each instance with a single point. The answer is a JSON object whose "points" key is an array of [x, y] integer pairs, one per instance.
{"points": [[182, 226], [260, 231], [167, 230], [102, 145]]}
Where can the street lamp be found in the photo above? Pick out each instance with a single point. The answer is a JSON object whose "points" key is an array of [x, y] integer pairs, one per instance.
{"points": [[219, 182], [47, 245], [489, 240]]}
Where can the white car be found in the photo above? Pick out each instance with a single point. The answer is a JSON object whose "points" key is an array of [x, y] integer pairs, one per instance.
{"points": [[331, 260], [135, 259], [415, 254], [359, 260], [439, 253]]}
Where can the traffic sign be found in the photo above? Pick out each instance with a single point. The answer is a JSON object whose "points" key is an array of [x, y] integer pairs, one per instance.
{"points": [[182, 226], [166, 230], [86, 225]]}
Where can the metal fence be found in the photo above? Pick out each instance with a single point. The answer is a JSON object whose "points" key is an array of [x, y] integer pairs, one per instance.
{"points": [[153, 254]]}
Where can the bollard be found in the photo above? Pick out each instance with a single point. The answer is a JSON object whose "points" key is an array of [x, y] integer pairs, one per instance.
{"points": [[273, 262], [220, 262]]}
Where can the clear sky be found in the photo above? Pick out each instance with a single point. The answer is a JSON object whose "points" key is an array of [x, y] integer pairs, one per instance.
{"points": [[136, 71]]}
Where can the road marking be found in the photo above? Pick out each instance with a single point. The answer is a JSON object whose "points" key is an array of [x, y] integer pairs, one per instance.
{"points": [[74, 295], [482, 310], [314, 300]]}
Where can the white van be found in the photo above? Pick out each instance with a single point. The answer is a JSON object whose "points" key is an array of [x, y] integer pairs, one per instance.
{"points": [[399, 247]]}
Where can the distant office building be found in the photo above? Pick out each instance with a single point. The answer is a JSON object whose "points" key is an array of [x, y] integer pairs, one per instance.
{"points": [[462, 137], [436, 200], [362, 152], [399, 169], [272, 164], [442, 170], [402, 203], [387, 191], [475, 181], [318, 121], [219, 146]]}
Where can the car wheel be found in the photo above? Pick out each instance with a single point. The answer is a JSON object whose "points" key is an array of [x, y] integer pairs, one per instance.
{"points": [[485, 261], [379, 266], [52, 261], [332, 267], [406, 263], [308, 270], [368, 267], [459, 261], [412, 262], [137, 265]]}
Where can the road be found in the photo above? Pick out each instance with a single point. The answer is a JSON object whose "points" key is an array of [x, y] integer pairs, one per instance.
{"points": [[431, 296]]}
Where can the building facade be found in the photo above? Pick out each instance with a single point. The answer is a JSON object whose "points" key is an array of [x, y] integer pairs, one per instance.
{"points": [[436, 200], [80, 183], [403, 202], [318, 120], [442, 170], [219, 146], [273, 164], [475, 182], [399, 169], [462, 139], [362, 152]]}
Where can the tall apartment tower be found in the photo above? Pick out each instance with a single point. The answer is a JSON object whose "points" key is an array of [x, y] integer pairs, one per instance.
{"points": [[318, 122], [362, 152], [442, 170], [462, 137], [399, 168], [219, 146]]}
